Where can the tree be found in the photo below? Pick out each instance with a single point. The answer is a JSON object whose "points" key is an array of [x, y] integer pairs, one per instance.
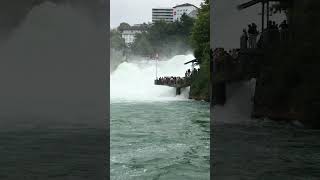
{"points": [[123, 26], [142, 45], [200, 41], [186, 24], [167, 39], [116, 41], [200, 38]]}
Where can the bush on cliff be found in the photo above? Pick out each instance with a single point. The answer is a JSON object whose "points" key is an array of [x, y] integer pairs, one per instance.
{"points": [[200, 40]]}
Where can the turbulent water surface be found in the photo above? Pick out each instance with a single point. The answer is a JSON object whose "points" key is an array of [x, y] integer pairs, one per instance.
{"points": [[155, 134], [260, 149]]}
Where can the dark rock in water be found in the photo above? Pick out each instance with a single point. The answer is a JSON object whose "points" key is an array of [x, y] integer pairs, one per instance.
{"points": [[200, 98]]}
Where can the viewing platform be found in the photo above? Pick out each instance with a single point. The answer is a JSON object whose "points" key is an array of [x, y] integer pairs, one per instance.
{"points": [[176, 82]]}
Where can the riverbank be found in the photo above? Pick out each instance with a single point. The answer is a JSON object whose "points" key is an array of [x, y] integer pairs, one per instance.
{"points": [[201, 95]]}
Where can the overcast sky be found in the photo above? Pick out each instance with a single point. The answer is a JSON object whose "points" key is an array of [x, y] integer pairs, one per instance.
{"points": [[139, 11]]}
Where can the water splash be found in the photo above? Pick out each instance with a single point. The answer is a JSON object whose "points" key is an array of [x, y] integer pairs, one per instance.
{"points": [[134, 81], [238, 106]]}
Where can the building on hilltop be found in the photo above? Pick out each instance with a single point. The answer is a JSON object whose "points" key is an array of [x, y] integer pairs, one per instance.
{"points": [[188, 9], [128, 33], [162, 14], [175, 13]]}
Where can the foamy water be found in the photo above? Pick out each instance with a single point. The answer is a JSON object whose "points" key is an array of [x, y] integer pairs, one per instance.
{"points": [[134, 81], [154, 133], [159, 140]]}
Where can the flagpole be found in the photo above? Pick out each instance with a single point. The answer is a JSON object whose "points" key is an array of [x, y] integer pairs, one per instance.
{"points": [[156, 66]]}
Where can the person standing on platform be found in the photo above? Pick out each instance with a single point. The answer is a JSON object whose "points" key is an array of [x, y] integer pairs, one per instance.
{"points": [[244, 40]]}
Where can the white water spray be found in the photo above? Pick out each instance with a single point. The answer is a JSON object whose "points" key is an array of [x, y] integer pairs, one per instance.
{"points": [[53, 65], [238, 106], [134, 81]]}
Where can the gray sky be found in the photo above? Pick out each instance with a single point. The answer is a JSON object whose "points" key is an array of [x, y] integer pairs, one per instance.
{"points": [[139, 11]]}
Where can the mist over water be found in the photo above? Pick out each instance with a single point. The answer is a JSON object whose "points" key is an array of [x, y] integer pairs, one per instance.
{"points": [[55, 60], [134, 80], [54, 96]]}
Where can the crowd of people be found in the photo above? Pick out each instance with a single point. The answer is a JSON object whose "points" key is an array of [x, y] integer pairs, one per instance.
{"points": [[253, 34], [283, 29], [274, 26], [221, 55], [275, 32], [190, 73], [171, 81], [249, 37]]}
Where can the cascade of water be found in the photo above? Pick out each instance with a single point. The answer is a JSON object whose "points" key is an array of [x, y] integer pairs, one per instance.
{"points": [[135, 80]]}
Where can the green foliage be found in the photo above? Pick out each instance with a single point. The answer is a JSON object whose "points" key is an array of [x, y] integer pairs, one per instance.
{"points": [[123, 26], [117, 47], [200, 41], [201, 32], [167, 39], [142, 45]]}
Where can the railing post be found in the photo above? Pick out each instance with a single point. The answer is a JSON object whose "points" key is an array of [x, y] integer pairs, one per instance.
{"points": [[178, 90]]}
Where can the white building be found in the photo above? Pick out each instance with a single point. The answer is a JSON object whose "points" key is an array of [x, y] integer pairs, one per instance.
{"points": [[162, 14], [188, 9], [129, 33]]}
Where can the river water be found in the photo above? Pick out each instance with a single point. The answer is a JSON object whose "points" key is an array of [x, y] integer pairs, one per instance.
{"points": [[154, 133], [248, 149]]}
